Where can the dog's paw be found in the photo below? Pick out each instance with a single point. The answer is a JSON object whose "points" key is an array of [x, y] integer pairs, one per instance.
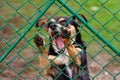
{"points": [[66, 33], [38, 40]]}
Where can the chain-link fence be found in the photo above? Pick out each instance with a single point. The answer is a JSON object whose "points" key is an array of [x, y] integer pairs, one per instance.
{"points": [[19, 57]]}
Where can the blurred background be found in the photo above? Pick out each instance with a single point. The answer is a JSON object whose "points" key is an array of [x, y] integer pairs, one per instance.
{"points": [[23, 61]]}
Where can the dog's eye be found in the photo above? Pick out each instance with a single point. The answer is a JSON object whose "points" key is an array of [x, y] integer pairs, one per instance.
{"points": [[63, 22]]}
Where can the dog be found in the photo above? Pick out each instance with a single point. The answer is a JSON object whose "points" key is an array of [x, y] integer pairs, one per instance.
{"points": [[66, 58]]}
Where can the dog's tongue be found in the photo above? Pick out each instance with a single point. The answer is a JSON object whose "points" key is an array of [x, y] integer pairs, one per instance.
{"points": [[59, 42]]}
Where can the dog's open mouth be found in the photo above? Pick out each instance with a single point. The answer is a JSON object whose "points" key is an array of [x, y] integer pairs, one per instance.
{"points": [[59, 43]]}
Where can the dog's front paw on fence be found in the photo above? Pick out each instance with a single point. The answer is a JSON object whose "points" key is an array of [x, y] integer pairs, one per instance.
{"points": [[38, 40]]}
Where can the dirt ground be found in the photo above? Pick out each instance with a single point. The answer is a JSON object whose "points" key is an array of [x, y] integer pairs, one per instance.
{"points": [[17, 68]]}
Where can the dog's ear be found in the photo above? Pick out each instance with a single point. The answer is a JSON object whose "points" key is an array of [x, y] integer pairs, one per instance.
{"points": [[77, 21], [42, 22]]}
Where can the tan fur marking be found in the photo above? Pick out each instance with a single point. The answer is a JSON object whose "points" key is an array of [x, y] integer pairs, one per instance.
{"points": [[53, 20], [72, 29], [61, 19], [44, 62]]}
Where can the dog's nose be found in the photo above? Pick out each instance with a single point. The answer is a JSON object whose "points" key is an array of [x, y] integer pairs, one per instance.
{"points": [[53, 26]]}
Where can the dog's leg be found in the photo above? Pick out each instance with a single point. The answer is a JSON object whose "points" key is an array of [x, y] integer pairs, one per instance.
{"points": [[73, 52], [43, 58]]}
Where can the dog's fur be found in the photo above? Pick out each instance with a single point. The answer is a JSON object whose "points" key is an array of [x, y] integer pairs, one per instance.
{"points": [[66, 58]]}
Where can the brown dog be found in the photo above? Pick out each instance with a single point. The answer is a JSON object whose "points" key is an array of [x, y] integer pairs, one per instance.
{"points": [[66, 58]]}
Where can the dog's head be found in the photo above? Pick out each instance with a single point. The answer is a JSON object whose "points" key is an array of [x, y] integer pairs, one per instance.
{"points": [[60, 28]]}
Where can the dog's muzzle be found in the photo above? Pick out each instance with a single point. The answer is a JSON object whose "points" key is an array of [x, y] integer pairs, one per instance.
{"points": [[58, 33], [65, 33]]}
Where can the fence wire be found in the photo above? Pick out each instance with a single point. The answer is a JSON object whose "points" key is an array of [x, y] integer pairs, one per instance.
{"points": [[19, 57]]}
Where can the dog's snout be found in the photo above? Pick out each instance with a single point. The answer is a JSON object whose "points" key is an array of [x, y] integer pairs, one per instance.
{"points": [[65, 32], [53, 26]]}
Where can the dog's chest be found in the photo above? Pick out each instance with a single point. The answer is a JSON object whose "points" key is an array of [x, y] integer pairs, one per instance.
{"points": [[64, 57]]}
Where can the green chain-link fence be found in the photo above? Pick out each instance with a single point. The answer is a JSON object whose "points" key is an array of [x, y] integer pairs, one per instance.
{"points": [[19, 56]]}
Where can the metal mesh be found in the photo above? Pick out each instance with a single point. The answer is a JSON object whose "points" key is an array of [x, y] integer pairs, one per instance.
{"points": [[19, 57]]}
